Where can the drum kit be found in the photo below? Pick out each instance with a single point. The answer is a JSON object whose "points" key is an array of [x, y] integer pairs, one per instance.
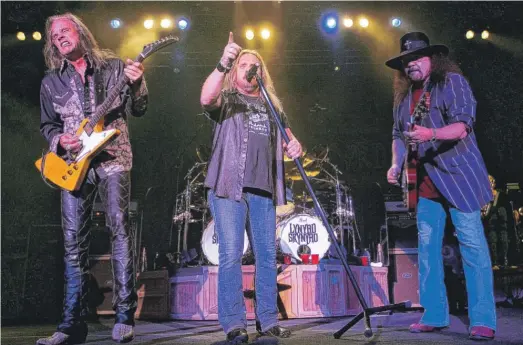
{"points": [[298, 229]]}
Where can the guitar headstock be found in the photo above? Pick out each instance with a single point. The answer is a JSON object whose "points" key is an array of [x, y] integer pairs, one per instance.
{"points": [[153, 47]]}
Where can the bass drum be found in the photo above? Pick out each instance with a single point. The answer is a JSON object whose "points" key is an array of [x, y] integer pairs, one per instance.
{"points": [[302, 230], [210, 244]]}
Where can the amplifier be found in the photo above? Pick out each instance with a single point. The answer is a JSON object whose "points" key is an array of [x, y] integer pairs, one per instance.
{"points": [[395, 206], [403, 274]]}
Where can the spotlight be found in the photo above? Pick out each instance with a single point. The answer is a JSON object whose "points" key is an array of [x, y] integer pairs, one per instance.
{"points": [[249, 34], [20, 35], [485, 34], [148, 24], [37, 36], [396, 22], [364, 22], [347, 22], [166, 23], [469, 35], [116, 23], [265, 34], [183, 24], [330, 23], [336, 68]]}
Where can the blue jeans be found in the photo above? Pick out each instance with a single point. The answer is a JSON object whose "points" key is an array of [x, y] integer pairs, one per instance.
{"points": [[257, 215], [476, 262]]}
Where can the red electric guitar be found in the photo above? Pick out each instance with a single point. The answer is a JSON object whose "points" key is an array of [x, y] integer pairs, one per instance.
{"points": [[409, 181]]}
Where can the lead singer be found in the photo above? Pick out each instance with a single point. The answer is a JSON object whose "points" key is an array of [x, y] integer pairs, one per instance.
{"points": [[246, 182]]}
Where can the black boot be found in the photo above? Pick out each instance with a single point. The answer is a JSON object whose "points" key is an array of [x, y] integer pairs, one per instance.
{"points": [[276, 331], [237, 336]]}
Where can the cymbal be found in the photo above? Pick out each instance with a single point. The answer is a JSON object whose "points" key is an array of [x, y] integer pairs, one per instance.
{"points": [[297, 177], [302, 198]]}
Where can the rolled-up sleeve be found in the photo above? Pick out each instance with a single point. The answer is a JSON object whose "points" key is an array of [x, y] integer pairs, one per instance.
{"points": [[51, 126], [461, 104]]}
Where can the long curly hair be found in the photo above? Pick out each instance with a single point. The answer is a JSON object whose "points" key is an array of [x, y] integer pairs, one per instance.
{"points": [[53, 58], [229, 83], [441, 65]]}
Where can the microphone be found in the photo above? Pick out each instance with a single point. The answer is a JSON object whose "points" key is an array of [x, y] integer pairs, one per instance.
{"points": [[252, 72]]}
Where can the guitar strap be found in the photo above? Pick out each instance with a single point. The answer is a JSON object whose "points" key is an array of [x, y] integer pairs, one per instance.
{"points": [[99, 85], [423, 107]]}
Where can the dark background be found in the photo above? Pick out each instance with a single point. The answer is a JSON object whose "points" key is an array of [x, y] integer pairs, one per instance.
{"points": [[355, 125]]}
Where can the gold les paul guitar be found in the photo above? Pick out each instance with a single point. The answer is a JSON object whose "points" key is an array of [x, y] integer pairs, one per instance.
{"points": [[70, 174]]}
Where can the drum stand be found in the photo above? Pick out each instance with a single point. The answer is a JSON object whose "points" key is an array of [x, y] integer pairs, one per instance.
{"points": [[367, 312], [183, 214]]}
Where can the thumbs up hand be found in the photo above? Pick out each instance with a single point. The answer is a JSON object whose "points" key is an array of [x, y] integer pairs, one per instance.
{"points": [[230, 53]]}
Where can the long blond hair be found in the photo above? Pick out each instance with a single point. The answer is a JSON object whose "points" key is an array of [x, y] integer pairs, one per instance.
{"points": [[53, 58], [229, 82]]}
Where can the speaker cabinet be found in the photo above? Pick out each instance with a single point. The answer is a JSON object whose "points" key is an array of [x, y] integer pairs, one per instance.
{"points": [[403, 271], [101, 285]]}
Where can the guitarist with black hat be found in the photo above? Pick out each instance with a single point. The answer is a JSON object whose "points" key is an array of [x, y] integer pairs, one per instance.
{"points": [[435, 112]]}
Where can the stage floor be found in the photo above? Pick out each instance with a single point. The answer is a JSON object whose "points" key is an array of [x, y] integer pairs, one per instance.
{"points": [[390, 329]]}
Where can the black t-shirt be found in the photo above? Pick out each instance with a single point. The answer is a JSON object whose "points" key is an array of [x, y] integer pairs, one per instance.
{"points": [[258, 166]]}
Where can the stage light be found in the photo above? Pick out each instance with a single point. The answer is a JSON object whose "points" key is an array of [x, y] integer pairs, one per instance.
{"points": [[249, 34], [396, 22], [265, 34], [331, 23], [364, 22], [116, 23], [336, 68], [21, 36], [347, 22], [148, 24], [37, 36], [183, 24], [485, 34], [166, 23], [469, 35]]}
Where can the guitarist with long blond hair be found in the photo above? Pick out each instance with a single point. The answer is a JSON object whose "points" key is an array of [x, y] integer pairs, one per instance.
{"points": [[80, 74], [435, 111]]}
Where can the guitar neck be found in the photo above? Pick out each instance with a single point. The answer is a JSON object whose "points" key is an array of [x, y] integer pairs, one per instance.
{"points": [[107, 103]]}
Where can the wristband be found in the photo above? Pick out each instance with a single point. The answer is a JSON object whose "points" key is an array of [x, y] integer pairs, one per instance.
{"points": [[221, 68]]}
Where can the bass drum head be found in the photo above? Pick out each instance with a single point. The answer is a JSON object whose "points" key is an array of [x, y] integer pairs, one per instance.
{"points": [[302, 230], [210, 244]]}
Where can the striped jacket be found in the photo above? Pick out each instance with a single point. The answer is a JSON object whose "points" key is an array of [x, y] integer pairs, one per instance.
{"points": [[456, 167]]}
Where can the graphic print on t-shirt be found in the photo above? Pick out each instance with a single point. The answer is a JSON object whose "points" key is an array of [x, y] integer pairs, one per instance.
{"points": [[258, 120]]}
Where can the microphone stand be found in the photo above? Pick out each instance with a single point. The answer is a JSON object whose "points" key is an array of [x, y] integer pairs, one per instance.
{"points": [[367, 312]]}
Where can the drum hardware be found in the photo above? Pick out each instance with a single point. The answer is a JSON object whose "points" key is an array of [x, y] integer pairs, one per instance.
{"points": [[182, 215]]}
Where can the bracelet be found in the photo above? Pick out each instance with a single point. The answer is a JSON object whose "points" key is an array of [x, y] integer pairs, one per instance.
{"points": [[433, 139], [221, 68]]}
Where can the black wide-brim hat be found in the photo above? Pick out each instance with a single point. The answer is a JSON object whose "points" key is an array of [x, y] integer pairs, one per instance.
{"points": [[415, 43]]}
